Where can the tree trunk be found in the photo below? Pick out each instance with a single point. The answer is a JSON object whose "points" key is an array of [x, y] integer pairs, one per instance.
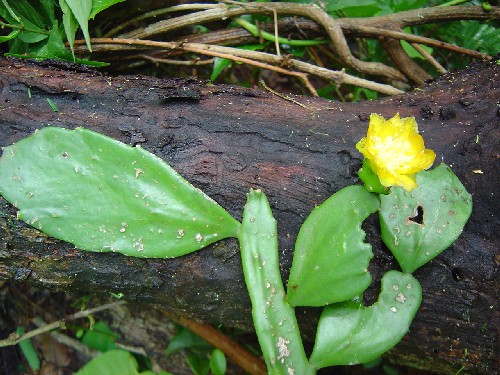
{"points": [[226, 140]]}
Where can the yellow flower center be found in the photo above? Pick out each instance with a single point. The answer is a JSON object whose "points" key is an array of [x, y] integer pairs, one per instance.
{"points": [[396, 151]]}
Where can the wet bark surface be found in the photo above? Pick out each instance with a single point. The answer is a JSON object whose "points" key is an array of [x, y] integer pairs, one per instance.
{"points": [[226, 140]]}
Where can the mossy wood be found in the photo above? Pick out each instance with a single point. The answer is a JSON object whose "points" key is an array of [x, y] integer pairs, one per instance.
{"points": [[225, 140]]}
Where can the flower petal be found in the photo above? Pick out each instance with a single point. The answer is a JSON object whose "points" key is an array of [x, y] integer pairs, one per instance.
{"points": [[395, 149]]}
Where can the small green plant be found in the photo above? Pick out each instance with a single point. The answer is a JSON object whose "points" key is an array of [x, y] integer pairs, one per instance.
{"points": [[202, 357], [102, 195], [115, 361], [36, 30], [29, 351], [111, 360]]}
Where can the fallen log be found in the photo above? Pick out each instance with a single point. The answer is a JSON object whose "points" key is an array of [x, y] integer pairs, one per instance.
{"points": [[226, 140]]}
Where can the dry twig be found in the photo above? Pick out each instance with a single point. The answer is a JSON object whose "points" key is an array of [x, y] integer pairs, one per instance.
{"points": [[301, 68], [238, 354], [15, 338], [388, 28]]}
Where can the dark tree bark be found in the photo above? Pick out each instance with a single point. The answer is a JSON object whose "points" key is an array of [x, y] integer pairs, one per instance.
{"points": [[226, 140]]}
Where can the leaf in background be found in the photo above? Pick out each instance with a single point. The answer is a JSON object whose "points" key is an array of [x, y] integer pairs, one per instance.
{"points": [[10, 11], [52, 48], [419, 224], [32, 37], [218, 362], [100, 337], [81, 10], [28, 350], [330, 260], [219, 65], [185, 339], [412, 52], [474, 35], [114, 362], [403, 5], [48, 7], [11, 35], [70, 24], [349, 333], [199, 363], [357, 8], [100, 5], [22, 12], [102, 195], [27, 12]]}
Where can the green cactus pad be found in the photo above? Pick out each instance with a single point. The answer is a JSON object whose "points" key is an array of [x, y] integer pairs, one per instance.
{"points": [[273, 317], [350, 333], [418, 225], [331, 258], [102, 195]]}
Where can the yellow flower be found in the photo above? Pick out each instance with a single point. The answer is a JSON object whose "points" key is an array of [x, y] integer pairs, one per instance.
{"points": [[395, 150]]}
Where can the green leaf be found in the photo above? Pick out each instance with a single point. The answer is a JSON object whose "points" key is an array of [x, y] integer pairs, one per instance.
{"points": [[349, 333], [70, 24], [273, 317], [33, 20], [356, 8], [100, 337], [185, 339], [48, 7], [102, 195], [10, 11], [52, 105], [198, 362], [330, 260], [419, 225], [81, 10], [54, 48], [32, 14], [403, 5], [99, 5], [114, 362], [219, 65], [11, 35], [475, 35], [218, 362], [29, 351], [412, 52]]}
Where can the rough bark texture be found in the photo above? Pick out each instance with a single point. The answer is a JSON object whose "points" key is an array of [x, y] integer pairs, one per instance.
{"points": [[226, 140]]}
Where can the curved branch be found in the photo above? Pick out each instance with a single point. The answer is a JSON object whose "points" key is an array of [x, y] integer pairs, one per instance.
{"points": [[158, 12], [338, 77], [15, 338], [236, 9], [409, 67], [336, 27]]}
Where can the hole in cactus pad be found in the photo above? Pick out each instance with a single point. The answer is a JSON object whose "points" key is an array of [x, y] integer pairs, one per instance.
{"points": [[418, 215]]}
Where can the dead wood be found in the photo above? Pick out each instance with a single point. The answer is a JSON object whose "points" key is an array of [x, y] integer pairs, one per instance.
{"points": [[226, 140]]}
